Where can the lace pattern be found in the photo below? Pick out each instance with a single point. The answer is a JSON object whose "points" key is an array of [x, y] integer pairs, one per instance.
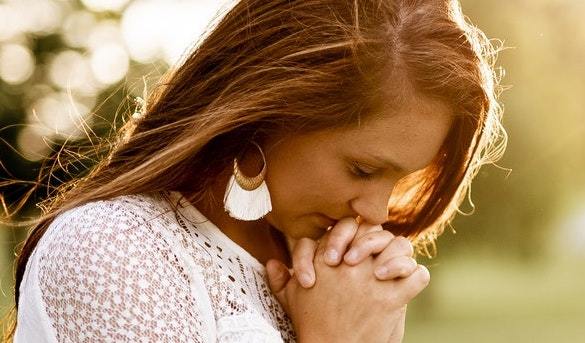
{"points": [[133, 269]]}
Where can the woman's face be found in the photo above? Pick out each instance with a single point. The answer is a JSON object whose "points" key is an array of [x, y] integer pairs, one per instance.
{"points": [[319, 178]]}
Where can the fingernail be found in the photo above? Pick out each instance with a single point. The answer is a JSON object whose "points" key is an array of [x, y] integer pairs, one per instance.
{"points": [[332, 256], [306, 280], [351, 256], [381, 272]]}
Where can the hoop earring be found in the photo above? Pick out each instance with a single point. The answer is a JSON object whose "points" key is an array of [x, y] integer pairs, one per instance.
{"points": [[247, 198]]}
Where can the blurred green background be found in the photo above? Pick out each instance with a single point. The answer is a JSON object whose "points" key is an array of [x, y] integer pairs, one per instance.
{"points": [[512, 272]]}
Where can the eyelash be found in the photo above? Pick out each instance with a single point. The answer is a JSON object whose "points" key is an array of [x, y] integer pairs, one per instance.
{"points": [[360, 173]]}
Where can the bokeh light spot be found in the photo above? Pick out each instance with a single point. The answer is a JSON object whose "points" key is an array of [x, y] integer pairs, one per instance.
{"points": [[77, 28], [70, 70], [105, 5], [105, 32], [17, 63], [58, 115], [31, 144], [109, 63]]}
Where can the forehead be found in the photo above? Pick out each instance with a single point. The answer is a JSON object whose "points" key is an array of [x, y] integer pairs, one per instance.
{"points": [[410, 134]]}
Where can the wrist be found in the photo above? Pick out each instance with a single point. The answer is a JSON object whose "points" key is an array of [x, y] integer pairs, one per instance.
{"points": [[305, 336]]}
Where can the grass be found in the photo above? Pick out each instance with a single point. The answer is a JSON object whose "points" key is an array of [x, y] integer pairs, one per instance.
{"points": [[491, 299]]}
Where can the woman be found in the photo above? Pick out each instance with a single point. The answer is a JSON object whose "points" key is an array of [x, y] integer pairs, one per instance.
{"points": [[313, 135]]}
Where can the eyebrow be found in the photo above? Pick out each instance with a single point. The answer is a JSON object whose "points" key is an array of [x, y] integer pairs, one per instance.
{"points": [[388, 162]]}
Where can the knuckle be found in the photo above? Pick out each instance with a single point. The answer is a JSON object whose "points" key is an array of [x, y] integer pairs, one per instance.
{"points": [[365, 228], [423, 276], [403, 244], [369, 239], [410, 266], [400, 267], [345, 224], [350, 273], [403, 269], [387, 235], [343, 231], [373, 238]]}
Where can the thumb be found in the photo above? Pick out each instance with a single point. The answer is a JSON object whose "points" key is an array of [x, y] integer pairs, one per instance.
{"points": [[278, 276]]}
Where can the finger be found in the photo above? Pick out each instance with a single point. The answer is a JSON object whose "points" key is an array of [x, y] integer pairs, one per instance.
{"points": [[280, 282], [321, 247], [411, 286], [365, 228], [340, 236], [368, 244], [400, 266], [277, 274], [302, 259], [400, 246]]}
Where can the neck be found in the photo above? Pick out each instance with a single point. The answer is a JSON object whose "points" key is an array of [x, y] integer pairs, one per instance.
{"points": [[258, 237]]}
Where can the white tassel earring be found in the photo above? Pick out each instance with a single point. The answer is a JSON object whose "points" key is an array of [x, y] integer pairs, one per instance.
{"points": [[247, 198]]}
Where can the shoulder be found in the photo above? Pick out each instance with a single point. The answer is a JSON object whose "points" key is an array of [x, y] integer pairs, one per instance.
{"points": [[103, 267], [137, 209], [114, 235], [120, 218], [106, 234]]}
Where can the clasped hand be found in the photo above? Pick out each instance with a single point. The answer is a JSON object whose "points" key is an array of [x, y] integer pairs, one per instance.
{"points": [[350, 286]]}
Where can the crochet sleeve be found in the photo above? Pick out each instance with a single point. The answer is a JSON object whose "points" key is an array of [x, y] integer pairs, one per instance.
{"points": [[105, 273]]}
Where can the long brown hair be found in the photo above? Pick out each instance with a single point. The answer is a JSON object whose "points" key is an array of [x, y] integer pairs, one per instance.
{"points": [[276, 65]]}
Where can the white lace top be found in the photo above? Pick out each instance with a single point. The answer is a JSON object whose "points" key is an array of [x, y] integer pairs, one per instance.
{"points": [[131, 269]]}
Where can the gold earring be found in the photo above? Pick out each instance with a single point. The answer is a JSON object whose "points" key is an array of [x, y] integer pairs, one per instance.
{"points": [[247, 198]]}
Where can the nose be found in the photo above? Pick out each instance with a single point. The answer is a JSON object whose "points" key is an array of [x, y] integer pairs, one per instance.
{"points": [[372, 206]]}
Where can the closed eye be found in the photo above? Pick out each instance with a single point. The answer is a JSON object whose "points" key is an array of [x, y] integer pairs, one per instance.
{"points": [[361, 172]]}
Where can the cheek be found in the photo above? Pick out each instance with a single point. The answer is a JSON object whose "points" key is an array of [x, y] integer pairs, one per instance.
{"points": [[304, 187], [293, 189]]}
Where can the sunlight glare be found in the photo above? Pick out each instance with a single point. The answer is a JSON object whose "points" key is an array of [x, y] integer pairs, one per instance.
{"points": [[139, 31], [190, 19], [157, 28]]}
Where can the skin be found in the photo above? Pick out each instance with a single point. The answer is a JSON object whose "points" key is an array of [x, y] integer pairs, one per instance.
{"points": [[366, 309], [314, 179], [329, 196]]}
